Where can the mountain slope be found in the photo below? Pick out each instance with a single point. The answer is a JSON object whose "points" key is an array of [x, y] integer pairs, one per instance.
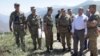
{"points": [[86, 4]]}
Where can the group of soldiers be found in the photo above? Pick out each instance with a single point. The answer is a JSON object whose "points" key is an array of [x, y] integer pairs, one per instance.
{"points": [[63, 22]]}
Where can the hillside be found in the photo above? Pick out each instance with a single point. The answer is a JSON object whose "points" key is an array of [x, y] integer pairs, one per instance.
{"points": [[4, 20], [86, 4]]}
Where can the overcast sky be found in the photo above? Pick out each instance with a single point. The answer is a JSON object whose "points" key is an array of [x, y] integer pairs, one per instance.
{"points": [[6, 6]]}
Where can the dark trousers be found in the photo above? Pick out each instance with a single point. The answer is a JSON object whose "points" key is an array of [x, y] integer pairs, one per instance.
{"points": [[86, 44], [58, 36], [79, 36]]}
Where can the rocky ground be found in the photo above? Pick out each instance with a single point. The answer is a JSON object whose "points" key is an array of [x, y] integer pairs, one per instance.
{"points": [[8, 47]]}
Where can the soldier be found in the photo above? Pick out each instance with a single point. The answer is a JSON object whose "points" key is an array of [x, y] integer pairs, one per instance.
{"points": [[71, 15], [93, 22], [56, 19], [63, 24], [48, 24], [19, 25], [33, 22]]}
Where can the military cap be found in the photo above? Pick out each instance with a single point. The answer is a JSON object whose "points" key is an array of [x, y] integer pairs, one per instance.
{"points": [[69, 10], [92, 6], [50, 8], [16, 4], [33, 8], [62, 9]]}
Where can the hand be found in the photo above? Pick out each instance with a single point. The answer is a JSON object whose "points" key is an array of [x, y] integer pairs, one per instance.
{"points": [[85, 36]]}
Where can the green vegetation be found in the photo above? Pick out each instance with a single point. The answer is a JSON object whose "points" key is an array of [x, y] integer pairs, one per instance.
{"points": [[8, 46]]}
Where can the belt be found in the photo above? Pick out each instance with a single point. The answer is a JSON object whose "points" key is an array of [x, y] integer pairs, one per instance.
{"points": [[80, 29], [18, 23], [63, 26], [92, 27]]}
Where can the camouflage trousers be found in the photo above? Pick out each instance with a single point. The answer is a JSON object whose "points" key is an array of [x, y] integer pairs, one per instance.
{"points": [[35, 38], [19, 36], [49, 38], [66, 35], [92, 33]]}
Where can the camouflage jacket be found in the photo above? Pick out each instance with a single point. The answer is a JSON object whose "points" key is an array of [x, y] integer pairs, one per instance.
{"points": [[96, 17], [63, 24], [48, 20], [33, 21], [17, 19], [63, 21]]}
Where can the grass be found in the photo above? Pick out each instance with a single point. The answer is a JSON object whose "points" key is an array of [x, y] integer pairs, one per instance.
{"points": [[8, 46]]}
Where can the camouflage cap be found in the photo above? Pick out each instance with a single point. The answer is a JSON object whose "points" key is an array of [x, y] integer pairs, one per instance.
{"points": [[50, 8], [16, 4], [33, 8], [92, 6]]}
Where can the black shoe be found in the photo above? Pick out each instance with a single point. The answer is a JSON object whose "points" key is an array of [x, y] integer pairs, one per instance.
{"points": [[23, 49], [64, 50], [75, 54], [91, 54], [48, 51], [85, 48], [34, 48], [69, 49], [51, 48], [80, 54], [18, 45], [59, 41]]}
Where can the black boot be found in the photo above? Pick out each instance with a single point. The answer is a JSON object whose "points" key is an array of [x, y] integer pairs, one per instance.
{"points": [[75, 54], [91, 54], [23, 47], [48, 51], [51, 48], [69, 48], [58, 37], [64, 49]]}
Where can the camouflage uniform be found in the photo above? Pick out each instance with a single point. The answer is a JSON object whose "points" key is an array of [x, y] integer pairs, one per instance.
{"points": [[92, 32], [63, 24], [19, 24], [33, 25], [48, 24]]}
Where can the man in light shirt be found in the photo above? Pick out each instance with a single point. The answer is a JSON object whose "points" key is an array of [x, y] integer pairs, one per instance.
{"points": [[79, 31]]}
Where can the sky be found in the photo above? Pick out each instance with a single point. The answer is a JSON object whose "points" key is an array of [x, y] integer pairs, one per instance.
{"points": [[6, 6]]}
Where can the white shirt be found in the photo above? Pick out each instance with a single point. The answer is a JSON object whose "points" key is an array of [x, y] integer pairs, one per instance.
{"points": [[79, 23]]}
